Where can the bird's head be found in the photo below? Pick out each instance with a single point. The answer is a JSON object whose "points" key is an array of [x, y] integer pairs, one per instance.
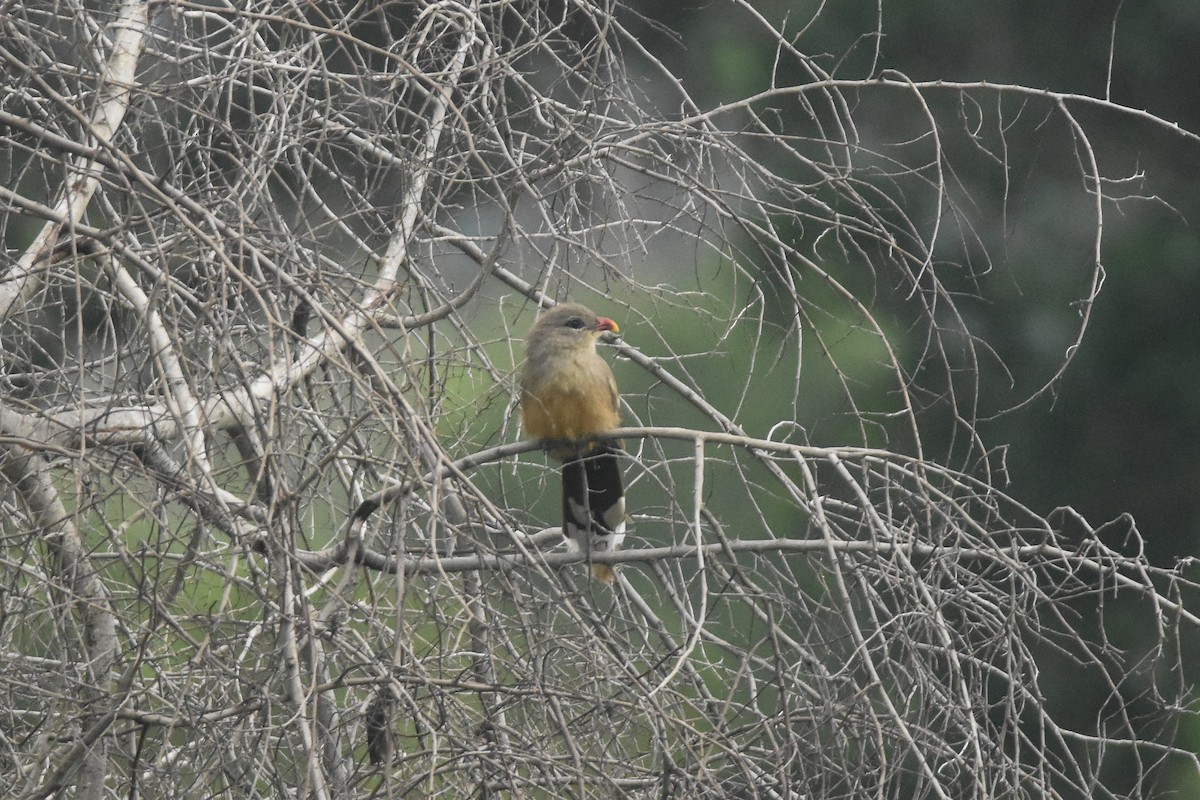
{"points": [[571, 321]]}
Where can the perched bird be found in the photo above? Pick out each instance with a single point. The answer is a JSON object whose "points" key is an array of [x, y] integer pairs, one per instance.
{"points": [[569, 400], [381, 736]]}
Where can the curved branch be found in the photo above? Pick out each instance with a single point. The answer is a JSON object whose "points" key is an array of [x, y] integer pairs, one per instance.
{"points": [[117, 80], [87, 594]]}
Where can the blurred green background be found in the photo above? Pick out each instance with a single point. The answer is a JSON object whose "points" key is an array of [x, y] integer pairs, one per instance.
{"points": [[1119, 431]]}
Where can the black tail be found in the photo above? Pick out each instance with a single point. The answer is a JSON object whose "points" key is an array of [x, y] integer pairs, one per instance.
{"points": [[593, 504]]}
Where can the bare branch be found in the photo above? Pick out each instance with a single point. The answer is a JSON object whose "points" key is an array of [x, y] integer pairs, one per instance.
{"points": [[269, 269]]}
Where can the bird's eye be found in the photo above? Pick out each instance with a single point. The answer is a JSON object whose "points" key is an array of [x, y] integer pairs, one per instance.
{"points": [[576, 323]]}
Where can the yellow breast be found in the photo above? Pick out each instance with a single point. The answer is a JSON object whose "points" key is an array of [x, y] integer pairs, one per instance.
{"points": [[559, 414]]}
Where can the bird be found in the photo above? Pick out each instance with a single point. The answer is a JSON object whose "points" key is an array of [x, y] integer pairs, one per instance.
{"points": [[381, 737], [569, 400]]}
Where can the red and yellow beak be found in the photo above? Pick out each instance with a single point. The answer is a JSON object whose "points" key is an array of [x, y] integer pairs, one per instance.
{"points": [[606, 324]]}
